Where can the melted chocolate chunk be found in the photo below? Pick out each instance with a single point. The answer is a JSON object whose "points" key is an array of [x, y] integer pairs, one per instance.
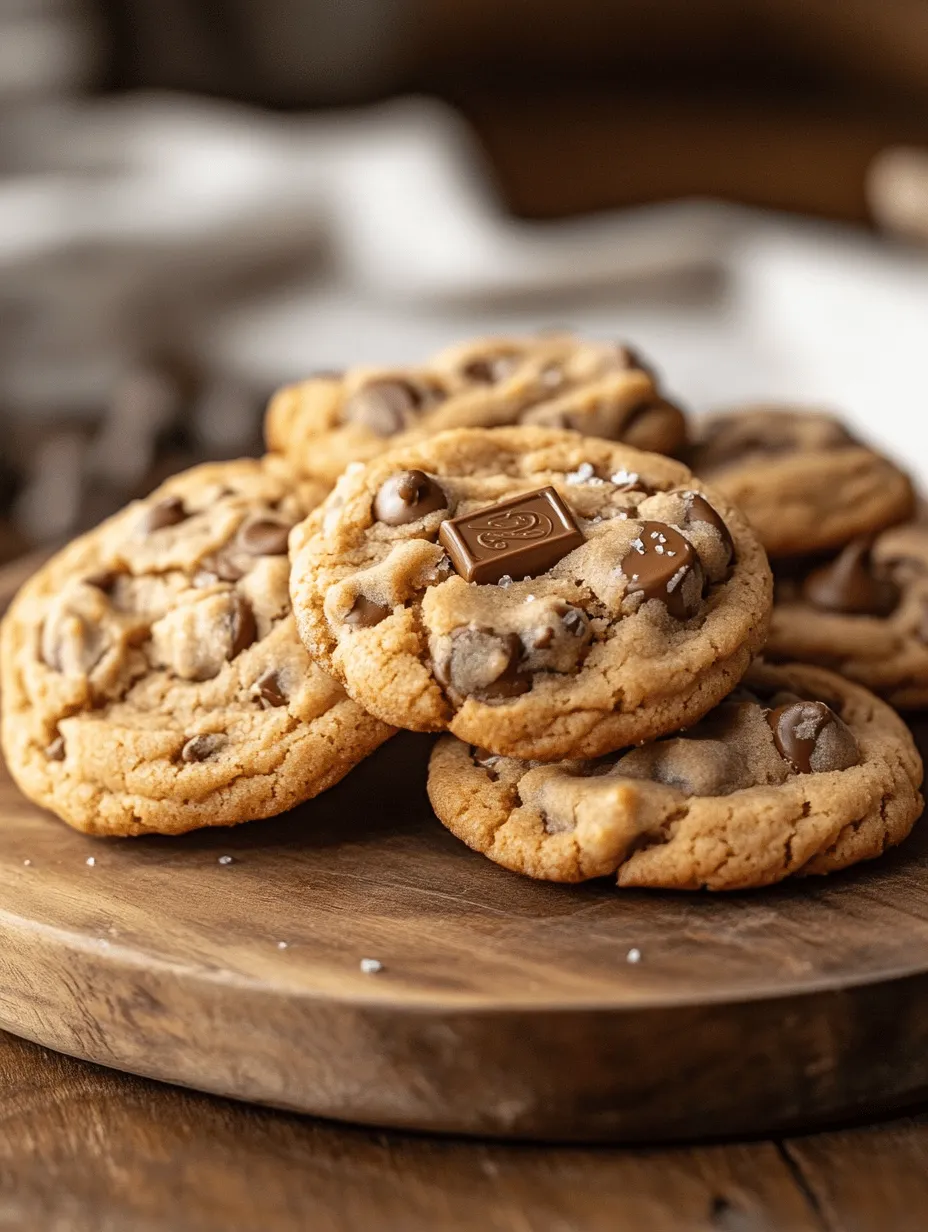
{"points": [[55, 751], [269, 689], [167, 512], [264, 536], [848, 584], [522, 537], [388, 406], [663, 565], [406, 497], [244, 626], [486, 761], [484, 665], [812, 738], [698, 509], [200, 748], [490, 369], [365, 613]]}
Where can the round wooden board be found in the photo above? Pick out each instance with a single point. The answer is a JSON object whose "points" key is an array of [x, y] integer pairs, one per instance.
{"points": [[504, 1007]]}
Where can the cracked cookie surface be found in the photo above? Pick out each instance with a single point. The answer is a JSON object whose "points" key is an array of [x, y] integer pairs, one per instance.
{"points": [[798, 772], [863, 613], [152, 676], [645, 596], [556, 381], [805, 484]]}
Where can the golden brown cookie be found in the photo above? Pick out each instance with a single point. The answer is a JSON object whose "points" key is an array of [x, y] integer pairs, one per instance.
{"points": [[152, 677], [555, 380], [797, 772], [862, 612], [534, 591], [805, 484]]}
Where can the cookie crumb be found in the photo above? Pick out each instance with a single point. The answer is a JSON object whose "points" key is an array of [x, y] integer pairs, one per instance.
{"points": [[224, 860], [90, 861], [370, 966], [633, 955]]}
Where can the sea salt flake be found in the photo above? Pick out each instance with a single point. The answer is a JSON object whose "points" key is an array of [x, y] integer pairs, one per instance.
{"points": [[633, 955], [224, 860], [370, 966], [623, 478], [282, 945], [90, 861], [638, 545], [583, 474], [676, 579], [27, 863], [504, 581]]}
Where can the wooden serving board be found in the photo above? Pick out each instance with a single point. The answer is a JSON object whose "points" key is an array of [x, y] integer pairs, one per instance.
{"points": [[504, 1007]]}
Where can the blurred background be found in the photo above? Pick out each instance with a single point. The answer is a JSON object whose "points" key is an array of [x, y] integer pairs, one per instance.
{"points": [[201, 199]]}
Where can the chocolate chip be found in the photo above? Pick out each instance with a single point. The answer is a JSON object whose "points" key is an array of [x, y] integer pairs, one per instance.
{"points": [[406, 497], [365, 613], [55, 751], [522, 537], [104, 581], [264, 537], [638, 427], [490, 369], [484, 665], [167, 512], [812, 738], [848, 584], [269, 689], [486, 761], [631, 358], [218, 568], [387, 407], [199, 748], [663, 565], [698, 509], [244, 627], [71, 644]]}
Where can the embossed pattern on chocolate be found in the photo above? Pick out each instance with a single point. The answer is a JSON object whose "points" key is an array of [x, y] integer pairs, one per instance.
{"points": [[518, 538]]}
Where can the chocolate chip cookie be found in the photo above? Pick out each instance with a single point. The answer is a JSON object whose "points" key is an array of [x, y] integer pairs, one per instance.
{"points": [[797, 772], [536, 592], [862, 612], [804, 482], [152, 676], [557, 381]]}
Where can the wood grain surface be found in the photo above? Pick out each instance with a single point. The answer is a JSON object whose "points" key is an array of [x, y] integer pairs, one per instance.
{"points": [[504, 1007], [83, 1149]]}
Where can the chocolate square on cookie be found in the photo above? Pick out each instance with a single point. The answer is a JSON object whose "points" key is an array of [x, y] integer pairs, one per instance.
{"points": [[518, 538]]}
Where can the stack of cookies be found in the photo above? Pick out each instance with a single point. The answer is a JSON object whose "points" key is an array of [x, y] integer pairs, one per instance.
{"points": [[496, 547]]}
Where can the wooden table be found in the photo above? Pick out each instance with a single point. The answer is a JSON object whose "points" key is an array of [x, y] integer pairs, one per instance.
{"points": [[85, 1149], [88, 1148]]}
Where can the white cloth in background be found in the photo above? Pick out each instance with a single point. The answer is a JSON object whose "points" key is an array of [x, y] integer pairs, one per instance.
{"points": [[270, 246]]}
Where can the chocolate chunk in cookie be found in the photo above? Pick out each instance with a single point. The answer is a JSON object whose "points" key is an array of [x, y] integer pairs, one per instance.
{"points": [[813, 738], [406, 497], [662, 565], [850, 584], [518, 538]]}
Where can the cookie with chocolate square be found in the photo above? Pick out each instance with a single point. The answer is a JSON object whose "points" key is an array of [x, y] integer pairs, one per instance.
{"points": [[797, 772], [152, 676], [862, 611], [536, 592], [553, 380], [804, 482]]}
